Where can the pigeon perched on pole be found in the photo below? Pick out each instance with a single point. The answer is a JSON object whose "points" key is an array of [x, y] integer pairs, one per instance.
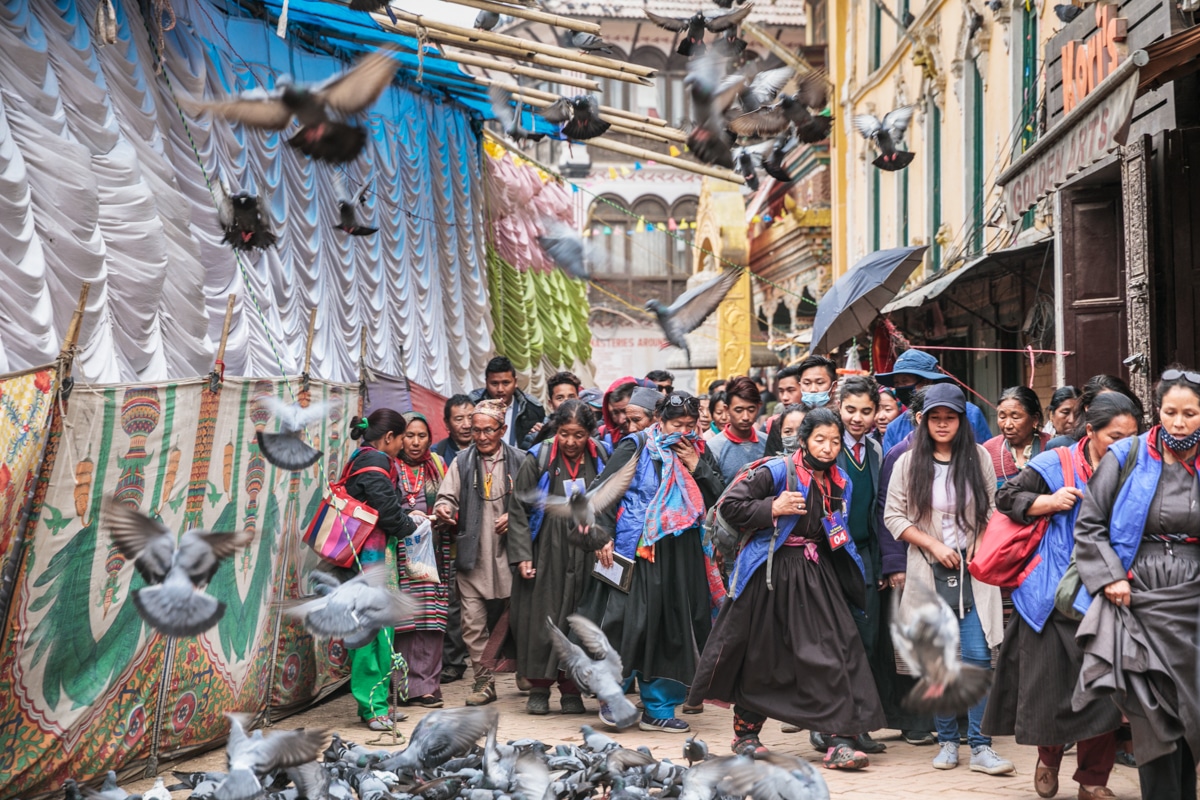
{"points": [[569, 251], [439, 737], [172, 603], [320, 108], [251, 757], [693, 307], [694, 26], [886, 135], [591, 43], [285, 449], [354, 611], [595, 667], [1067, 12], [927, 639], [583, 507], [711, 93]]}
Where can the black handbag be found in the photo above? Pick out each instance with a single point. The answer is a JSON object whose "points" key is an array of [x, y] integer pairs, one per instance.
{"points": [[953, 584]]}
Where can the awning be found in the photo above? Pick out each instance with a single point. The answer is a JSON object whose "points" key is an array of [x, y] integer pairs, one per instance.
{"points": [[1098, 125], [924, 293]]}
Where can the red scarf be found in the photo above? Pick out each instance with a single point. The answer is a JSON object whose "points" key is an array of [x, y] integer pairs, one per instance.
{"points": [[1082, 465], [735, 439]]}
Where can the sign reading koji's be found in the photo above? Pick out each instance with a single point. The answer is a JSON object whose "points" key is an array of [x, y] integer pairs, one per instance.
{"points": [[1086, 63]]}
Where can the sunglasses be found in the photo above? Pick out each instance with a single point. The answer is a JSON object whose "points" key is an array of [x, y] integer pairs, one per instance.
{"points": [[690, 404], [1176, 374]]}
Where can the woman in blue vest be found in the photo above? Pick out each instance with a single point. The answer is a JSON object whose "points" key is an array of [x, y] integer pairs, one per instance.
{"points": [[661, 623], [785, 645], [1137, 547], [548, 572], [1039, 661]]}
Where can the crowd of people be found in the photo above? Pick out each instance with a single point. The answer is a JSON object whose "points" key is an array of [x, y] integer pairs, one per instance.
{"points": [[840, 491]]}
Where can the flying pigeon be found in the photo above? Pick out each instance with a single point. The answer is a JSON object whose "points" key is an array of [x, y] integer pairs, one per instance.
{"points": [[695, 750], [730, 45], [692, 308], [285, 449], [510, 118], [172, 602], [790, 111], [354, 611], [242, 220], [109, 790], [1067, 12], [886, 136], [728, 3], [320, 108], [773, 163], [595, 667], [762, 88], [778, 777], [709, 779], [692, 42], [591, 43], [711, 94], [583, 508], [746, 162], [569, 251], [486, 20], [995, 5], [440, 736], [928, 641], [251, 757], [579, 117], [348, 211]]}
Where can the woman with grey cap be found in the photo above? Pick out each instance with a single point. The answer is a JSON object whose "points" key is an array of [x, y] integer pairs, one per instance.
{"points": [[939, 501]]}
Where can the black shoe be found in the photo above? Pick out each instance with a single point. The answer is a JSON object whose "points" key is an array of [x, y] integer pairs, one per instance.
{"points": [[821, 742], [866, 744], [919, 738], [451, 674], [1126, 759]]}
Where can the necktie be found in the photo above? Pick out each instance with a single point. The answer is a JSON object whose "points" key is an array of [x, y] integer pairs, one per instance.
{"points": [[858, 452]]}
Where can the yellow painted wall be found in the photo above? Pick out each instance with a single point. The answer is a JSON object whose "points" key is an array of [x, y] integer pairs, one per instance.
{"points": [[940, 27]]}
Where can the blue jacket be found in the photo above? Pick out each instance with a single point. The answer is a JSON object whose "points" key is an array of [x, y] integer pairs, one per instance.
{"points": [[1128, 518], [755, 552], [1034, 598], [902, 425], [538, 513]]}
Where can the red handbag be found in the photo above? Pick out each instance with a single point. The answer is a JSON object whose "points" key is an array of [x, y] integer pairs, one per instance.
{"points": [[1006, 547], [340, 528]]}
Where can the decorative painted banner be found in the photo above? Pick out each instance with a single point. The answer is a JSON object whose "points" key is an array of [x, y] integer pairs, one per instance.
{"points": [[78, 659]]}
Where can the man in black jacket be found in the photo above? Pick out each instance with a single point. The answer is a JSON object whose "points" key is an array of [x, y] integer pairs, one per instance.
{"points": [[523, 412]]}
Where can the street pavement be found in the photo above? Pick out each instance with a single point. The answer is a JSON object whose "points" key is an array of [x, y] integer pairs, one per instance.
{"points": [[903, 772]]}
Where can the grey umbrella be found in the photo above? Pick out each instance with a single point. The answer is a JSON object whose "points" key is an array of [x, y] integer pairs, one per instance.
{"points": [[854, 300]]}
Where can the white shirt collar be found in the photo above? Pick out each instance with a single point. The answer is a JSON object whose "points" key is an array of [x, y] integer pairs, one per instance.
{"points": [[508, 421], [850, 441]]}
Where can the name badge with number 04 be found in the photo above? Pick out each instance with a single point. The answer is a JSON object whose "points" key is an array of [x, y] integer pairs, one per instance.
{"points": [[835, 530]]}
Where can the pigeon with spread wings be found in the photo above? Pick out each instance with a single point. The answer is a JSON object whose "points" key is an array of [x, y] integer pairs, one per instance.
{"points": [[790, 111], [584, 508], [510, 117], [712, 92], [348, 206], [595, 667], [694, 26], [286, 449], [692, 308], [251, 757], [242, 219], [579, 116], [569, 251], [886, 135], [354, 611], [172, 603], [321, 109]]}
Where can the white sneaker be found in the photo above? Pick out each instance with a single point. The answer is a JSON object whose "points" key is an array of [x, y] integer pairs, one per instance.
{"points": [[985, 759], [947, 757]]}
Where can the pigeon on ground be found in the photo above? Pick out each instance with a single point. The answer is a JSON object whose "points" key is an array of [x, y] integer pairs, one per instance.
{"points": [[315, 782], [441, 736], [591, 43], [242, 220], [790, 111], [109, 790], [706, 781], [569, 251], [694, 750], [928, 641], [157, 792], [486, 20], [595, 741], [583, 508], [693, 307], [532, 778], [886, 136], [692, 42], [354, 611], [348, 211], [712, 93], [285, 449], [778, 777], [579, 117], [172, 602], [1067, 12], [510, 118], [320, 108], [762, 88], [251, 757], [70, 788], [595, 667]]}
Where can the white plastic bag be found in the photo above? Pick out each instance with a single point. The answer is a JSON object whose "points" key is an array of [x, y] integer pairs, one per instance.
{"points": [[420, 556]]}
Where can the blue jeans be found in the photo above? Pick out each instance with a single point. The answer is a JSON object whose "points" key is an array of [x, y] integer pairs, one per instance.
{"points": [[660, 697], [976, 652]]}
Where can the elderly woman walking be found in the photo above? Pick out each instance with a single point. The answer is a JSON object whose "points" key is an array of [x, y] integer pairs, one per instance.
{"points": [[1137, 543], [1039, 661]]}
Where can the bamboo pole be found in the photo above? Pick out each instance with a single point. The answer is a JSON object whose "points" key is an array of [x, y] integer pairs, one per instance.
{"points": [[606, 112], [225, 330], [664, 135], [72, 336], [524, 72], [650, 155], [627, 126], [308, 347], [505, 51], [532, 15], [525, 45], [629, 132]]}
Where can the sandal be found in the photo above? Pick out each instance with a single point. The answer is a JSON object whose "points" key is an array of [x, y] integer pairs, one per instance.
{"points": [[749, 746], [843, 756], [383, 723]]}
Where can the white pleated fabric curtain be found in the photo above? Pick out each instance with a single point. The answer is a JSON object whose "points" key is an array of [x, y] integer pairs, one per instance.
{"points": [[100, 181]]}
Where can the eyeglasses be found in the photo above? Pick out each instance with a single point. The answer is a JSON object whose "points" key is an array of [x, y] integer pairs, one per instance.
{"points": [[485, 431], [691, 405], [1176, 374]]}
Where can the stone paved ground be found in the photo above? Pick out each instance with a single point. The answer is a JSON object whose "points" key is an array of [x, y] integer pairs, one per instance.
{"points": [[902, 772]]}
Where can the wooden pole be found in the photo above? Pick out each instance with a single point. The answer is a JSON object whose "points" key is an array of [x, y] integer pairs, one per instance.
{"points": [[225, 329], [532, 15], [524, 72], [650, 155], [626, 126], [312, 329], [362, 372], [525, 45], [606, 112], [73, 328]]}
